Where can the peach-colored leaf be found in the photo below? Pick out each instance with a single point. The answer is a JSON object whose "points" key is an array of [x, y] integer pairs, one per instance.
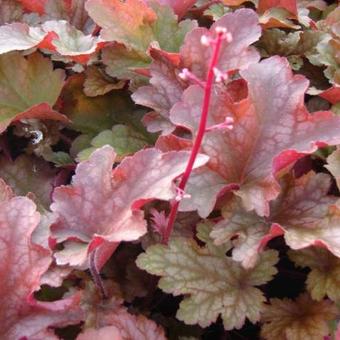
{"points": [[303, 213], [126, 22]]}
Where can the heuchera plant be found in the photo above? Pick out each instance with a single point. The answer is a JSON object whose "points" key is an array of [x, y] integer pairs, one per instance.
{"points": [[169, 169]]}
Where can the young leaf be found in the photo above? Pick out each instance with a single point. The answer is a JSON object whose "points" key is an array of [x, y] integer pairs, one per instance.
{"points": [[298, 320], [104, 205], [324, 278], [28, 88], [301, 213], [213, 283], [269, 134]]}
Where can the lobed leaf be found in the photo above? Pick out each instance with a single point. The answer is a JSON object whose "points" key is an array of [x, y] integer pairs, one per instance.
{"points": [[303, 213], [269, 134], [297, 320], [213, 283], [28, 88], [323, 280], [20, 314], [244, 27], [104, 205]]}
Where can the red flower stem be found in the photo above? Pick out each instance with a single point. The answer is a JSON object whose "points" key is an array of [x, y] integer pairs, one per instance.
{"points": [[198, 140]]}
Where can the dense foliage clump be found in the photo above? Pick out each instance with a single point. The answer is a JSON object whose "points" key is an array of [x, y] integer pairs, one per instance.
{"points": [[169, 169]]}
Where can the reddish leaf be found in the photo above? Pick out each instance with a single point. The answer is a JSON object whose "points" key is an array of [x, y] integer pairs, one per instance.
{"points": [[34, 5], [103, 205], [166, 86], [270, 134], [332, 94], [44, 316], [289, 5], [303, 213], [21, 271], [245, 30], [165, 90]]}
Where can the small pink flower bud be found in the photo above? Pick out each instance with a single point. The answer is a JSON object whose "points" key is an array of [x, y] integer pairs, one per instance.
{"points": [[184, 74], [228, 37], [205, 40], [181, 194], [220, 30], [219, 76]]}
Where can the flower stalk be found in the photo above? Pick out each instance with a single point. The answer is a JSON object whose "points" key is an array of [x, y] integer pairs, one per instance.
{"points": [[221, 35]]}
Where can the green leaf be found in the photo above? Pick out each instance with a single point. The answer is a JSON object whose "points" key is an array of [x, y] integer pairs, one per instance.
{"points": [[25, 85], [216, 11], [91, 115], [123, 139], [214, 284], [121, 62], [59, 158], [168, 32], [324, 278], [157, 25]]}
